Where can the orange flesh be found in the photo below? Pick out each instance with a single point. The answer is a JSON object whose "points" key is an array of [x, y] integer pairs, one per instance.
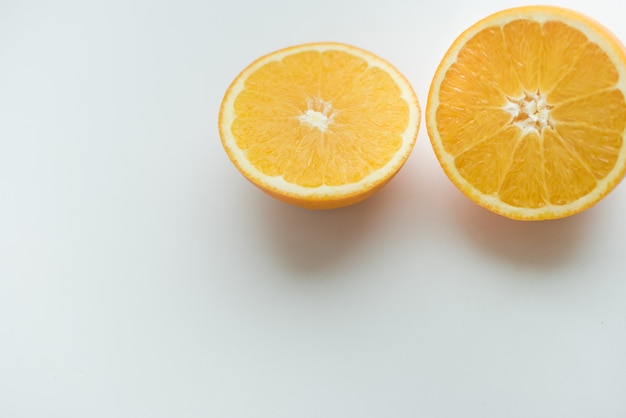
{"points": [[527, 163], [359, 108]]}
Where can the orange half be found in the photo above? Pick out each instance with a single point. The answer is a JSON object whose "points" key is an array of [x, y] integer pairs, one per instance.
{"points": [[319, 125], [527, 112]]}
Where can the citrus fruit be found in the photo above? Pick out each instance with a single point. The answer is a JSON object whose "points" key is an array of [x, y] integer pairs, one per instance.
{"points": [[527, 113], [319, 125]]}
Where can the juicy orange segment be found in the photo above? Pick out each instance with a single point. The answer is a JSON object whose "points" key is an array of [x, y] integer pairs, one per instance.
{"points": [[527, 112], [319, 125]]}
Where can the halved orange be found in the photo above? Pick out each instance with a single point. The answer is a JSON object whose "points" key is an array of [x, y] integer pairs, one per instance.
{"points": [[319, 125], [527, 112]]}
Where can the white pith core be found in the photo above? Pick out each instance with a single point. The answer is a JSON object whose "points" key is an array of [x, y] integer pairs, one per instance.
{"points": [[319, 114], [531, 112]]}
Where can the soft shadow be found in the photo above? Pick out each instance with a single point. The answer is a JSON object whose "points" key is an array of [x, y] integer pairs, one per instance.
{"points": [[310, 242], [541, 243]]}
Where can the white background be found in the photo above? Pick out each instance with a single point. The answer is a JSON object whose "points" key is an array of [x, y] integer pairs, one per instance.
{"points": [[142, 276]]}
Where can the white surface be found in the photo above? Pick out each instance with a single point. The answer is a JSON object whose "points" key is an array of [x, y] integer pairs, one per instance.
{"points": [[142, 276]]}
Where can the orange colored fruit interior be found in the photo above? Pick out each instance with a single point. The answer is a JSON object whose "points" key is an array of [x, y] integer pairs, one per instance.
{"points": [[531, 113], [309, 118]]}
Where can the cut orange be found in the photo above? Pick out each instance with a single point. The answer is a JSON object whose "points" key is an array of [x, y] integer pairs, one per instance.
{"points": [[527, 112], [319, 125]]}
